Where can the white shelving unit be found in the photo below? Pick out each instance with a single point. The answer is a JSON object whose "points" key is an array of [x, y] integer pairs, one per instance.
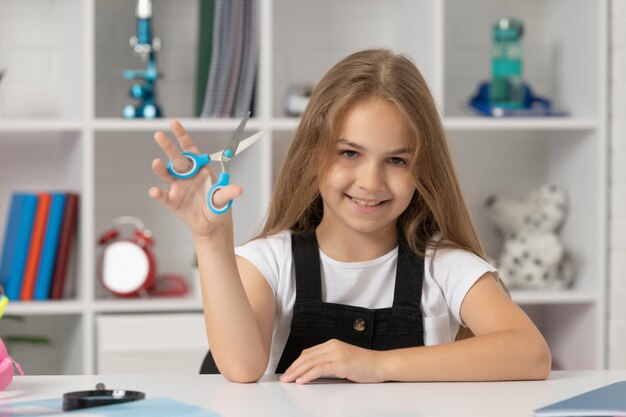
{"points": [[60, 129]]}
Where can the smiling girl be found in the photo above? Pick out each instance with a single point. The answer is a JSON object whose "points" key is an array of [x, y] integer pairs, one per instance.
{"points": [[368, 266]]}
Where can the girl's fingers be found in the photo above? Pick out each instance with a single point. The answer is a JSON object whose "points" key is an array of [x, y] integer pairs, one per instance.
{"points": [[316, 372], [302, 366], [222, 196], [186, 143], [299, 372], [181, 163], [308, 359], [159, 195], [159, 168]]}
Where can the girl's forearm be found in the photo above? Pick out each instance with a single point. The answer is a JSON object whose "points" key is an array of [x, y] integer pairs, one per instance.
{"points": [[234, 335], [505, 355]]}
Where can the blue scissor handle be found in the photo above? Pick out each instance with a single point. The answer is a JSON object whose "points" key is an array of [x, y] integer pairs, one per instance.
{"points": [[222, 182], [198, 162]]}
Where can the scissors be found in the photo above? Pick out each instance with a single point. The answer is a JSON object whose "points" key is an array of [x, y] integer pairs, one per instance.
{"points": [[236, 145]]}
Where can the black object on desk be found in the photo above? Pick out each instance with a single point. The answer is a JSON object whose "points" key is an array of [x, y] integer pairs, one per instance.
{"points": [[100, 396]]}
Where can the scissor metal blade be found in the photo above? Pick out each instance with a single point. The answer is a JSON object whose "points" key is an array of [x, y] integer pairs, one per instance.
{"points": [[243, 145], [237, 136]]}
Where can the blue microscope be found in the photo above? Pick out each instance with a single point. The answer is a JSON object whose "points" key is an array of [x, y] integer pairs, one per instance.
{"points": [[146, 47]]}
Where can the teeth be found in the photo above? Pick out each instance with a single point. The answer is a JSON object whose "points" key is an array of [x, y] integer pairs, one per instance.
{"points": [[366, 203]]}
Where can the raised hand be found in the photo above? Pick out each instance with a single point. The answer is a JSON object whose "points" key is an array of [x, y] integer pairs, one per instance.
{"points": [[187, 197], [335, 359]]}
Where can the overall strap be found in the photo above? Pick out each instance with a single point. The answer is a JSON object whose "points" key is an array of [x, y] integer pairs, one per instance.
{"points": [[306, 257], [409, 279]]}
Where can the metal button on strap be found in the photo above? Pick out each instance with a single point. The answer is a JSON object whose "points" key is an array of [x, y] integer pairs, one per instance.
{"points": [[359, 325]]}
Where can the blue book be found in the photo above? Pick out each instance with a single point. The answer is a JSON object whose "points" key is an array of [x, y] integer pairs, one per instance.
{"points": [[43, 281], [152, 407], [609, 400], [13, 283], [10, 236]]}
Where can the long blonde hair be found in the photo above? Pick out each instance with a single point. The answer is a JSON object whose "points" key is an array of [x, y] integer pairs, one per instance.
{"points": [[438, 204]]}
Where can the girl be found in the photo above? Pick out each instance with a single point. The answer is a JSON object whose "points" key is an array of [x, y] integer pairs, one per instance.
{"points": [[368, 264]]}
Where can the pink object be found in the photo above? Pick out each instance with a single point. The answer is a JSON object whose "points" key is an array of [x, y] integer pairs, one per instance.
{"points": [[6, 367]]}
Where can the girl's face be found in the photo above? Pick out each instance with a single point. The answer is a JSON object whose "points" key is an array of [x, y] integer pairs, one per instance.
{"points": [[370, 183]]}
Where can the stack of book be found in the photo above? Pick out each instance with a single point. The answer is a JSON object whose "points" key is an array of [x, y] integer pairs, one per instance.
{"points": [[228, 57], [39, 240]]}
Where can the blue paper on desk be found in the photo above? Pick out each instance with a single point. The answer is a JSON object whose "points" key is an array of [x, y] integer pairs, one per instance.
{"points": [[153, 407], [609, 400]]}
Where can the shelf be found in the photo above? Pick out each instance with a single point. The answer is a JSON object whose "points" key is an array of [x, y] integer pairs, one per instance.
{"points": [[22, 308], [191, 124], [144, 306], [484, 123], [553, 297], [487, 123], [286, 124], [39, 125], [61, 307]]}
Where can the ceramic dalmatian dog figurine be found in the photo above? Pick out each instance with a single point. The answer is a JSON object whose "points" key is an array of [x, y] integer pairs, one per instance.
{"points": [[533, 256]]}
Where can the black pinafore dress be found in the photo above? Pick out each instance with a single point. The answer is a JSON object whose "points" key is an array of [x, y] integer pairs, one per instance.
{"points": [[315, 321]]}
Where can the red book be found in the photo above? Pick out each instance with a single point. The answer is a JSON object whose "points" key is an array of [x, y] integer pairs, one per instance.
{"points": [[36, 243], [66, 243]]}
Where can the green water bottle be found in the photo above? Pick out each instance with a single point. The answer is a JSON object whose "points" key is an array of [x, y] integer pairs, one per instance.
{"points": [[507, 87]]}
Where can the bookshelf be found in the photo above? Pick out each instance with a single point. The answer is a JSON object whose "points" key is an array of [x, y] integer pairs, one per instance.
{"points": [[60, 129]]}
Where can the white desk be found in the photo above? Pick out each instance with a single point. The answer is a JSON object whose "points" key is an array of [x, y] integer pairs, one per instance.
{"points": [[270, 397]]}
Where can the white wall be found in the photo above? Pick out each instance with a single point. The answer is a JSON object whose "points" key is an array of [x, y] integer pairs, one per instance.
{"points": [[617, 219]]}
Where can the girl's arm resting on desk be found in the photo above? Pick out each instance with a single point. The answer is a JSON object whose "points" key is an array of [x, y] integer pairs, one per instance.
{"points": [[507, 346]]}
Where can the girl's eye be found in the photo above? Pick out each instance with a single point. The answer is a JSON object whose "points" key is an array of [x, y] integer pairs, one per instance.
{"points": [[349, 154], [397, 161]]}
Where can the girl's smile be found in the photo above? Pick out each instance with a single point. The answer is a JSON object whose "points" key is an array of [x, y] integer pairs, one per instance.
{"points": [[366, 206]]}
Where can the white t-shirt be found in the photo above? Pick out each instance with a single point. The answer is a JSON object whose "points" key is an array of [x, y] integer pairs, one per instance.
{"points": [[448, 276]]}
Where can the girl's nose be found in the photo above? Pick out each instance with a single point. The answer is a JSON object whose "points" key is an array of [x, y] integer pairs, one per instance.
{"points": [[371, 176]]}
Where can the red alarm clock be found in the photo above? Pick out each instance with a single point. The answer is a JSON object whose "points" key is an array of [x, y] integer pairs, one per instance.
{"points": [[126, 264], [127, 267]]}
